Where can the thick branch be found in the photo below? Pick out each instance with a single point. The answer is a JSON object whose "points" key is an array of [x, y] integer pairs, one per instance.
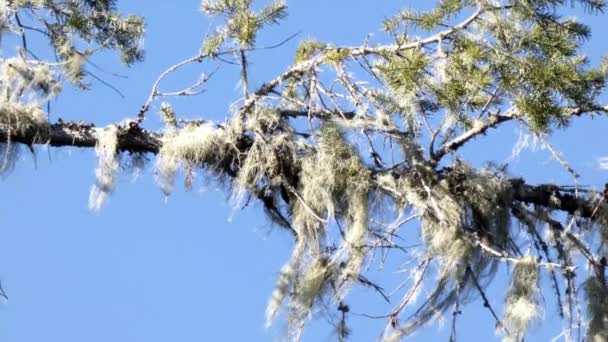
{"points": [[138, 140], [131, 139], [549, 196]]}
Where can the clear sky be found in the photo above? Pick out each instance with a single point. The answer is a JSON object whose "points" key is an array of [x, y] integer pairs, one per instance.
{"points": [[192, 268]]}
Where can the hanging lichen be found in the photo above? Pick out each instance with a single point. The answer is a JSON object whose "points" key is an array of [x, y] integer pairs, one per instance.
{"points": [[355, 238], [333, 172], [24, 88], [203, 144], [489, 194], [334, 184], [107, 166], [273, 148], [522, 304], [286, 278], [306, 290], [597, 308]]}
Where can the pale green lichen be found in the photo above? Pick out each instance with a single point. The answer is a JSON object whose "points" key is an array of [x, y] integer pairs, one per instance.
{"points": [[355, 239], [522, 304], [17, 118], [269, 142], [7, 11], [24, 88], [312, 281], [329, 175], [334, 183], [73, 67], [107, 167], [284, 283], [273, 147], [27, 81], [596, 294], [489, 194], [202, 144]]}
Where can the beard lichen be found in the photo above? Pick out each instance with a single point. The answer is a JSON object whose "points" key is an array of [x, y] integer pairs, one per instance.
{"points": [[284, 283], [334, 184], [107, 167], [353, 250], [18, 119], [312, 280], [220, 149], [25, 86], [459, 210], [489, 196], [202, 144], [596, 294], [328, 181], [522, 303], [273, 149]]}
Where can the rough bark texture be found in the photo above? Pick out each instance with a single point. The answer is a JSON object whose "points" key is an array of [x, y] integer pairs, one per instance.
{"points": [[135, 139], [71, 134]]}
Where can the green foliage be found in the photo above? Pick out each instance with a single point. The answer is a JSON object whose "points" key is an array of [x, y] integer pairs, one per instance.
{"points": [[545, 8], [337, 56], [242, 22], [97, 22], [464, 76], [404, 73], [213, 43], [77, 29], [547, 86], [538, 67], [307, 49], [429, 20]]}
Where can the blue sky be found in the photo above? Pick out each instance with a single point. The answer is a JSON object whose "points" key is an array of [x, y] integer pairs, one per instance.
{"points": [[192, 268]]}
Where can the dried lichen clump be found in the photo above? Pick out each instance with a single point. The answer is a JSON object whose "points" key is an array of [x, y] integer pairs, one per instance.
{"points": [[600, 217], [459, 210], [334, 184], [270, 147], [522, 304], [306, 290], [328, 181], [107, 167], [195, 144], [24, 87], [284, 282], [489, 195], [272, 150], [443, 216], [597, 309]]}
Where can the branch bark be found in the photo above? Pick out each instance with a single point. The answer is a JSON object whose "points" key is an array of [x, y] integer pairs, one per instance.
{"points": [[69, 134], [135, 139]]}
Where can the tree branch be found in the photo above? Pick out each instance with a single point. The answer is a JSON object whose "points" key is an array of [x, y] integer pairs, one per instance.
{"points": [[550, 196], [69, 134], [133, 138]]}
